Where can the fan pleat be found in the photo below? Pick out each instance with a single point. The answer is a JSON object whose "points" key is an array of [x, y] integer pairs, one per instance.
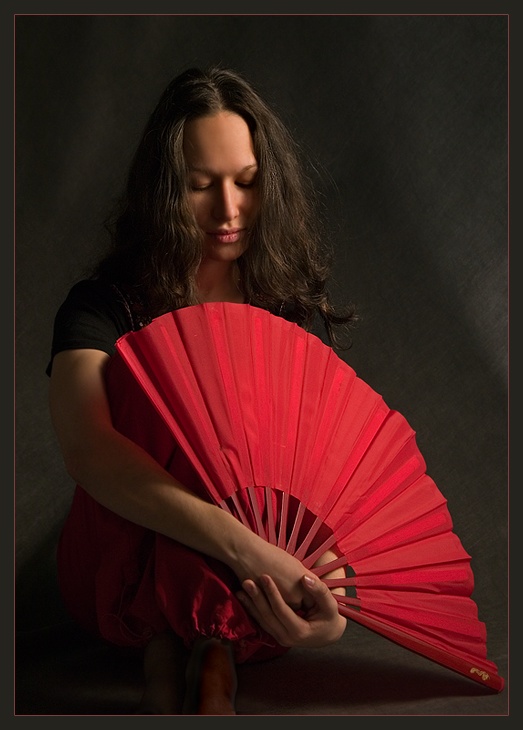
{"points": [[286, 437]]}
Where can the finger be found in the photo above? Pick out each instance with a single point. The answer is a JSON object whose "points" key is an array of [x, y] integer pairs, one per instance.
{"points": [[256, 597], [275, 599], [248, 605], [260, 602], [255, 604], [320, 594], [258, 607], [315, 587], [268, 598]]}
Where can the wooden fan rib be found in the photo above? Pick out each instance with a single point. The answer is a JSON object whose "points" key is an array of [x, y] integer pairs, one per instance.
{"points": [[434, 523], [295, 530], [134, 358], [472, 669], [378, 496], [434, 550], [284, 516], [463, 639], [380, 493], [441, 622], [302, 553], [415, 514], [258, 526], [319, 415], [271, 511], [263, 398], [456, 604], [226, 361], [431, 580], [355, 492], [326, 506], [290, 402], [321, 570], [454, 638]]}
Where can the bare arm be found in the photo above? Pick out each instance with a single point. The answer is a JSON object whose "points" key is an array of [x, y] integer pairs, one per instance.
{"points": [[123, 477]]}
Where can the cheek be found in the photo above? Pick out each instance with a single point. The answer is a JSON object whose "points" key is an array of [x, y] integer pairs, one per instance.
{"points": [[254, 205], [197, 207]]}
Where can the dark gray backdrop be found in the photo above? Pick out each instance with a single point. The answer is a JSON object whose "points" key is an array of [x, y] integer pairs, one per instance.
{"points": [[405, 118]]}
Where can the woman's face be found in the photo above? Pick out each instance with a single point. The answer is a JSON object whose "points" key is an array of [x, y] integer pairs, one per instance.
{"points": [[223, 193]]}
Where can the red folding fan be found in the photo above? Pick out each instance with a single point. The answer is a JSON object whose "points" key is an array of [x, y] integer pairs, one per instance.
{"points": [[284, 435]]}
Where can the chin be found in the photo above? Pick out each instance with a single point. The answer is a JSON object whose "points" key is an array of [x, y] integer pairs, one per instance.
{"points": [[225, 253]]}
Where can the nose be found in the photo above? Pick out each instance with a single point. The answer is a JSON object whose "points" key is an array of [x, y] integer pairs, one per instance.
{"points": [[226, 202]]}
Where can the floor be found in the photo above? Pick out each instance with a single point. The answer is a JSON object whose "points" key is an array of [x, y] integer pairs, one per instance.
{"points": [[62, 671]]}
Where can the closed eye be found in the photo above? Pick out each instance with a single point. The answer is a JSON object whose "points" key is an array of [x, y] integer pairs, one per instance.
{"points": [[243, 186]]}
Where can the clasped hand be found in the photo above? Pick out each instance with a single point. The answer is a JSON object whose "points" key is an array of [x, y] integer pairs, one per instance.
{"points": [[315, 624]]}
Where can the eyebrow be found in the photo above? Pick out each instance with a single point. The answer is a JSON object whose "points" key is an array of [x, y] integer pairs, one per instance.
{"points": [[209, 172]]}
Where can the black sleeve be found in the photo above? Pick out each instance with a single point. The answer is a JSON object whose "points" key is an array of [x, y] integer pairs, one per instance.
{"points": [[93, 315]]}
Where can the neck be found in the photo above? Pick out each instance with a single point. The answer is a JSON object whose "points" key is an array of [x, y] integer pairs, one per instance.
{"points": [[219, 282]]}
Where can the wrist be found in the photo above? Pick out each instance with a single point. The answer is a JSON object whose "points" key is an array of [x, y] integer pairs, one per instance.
{"points": [[241, 547]]}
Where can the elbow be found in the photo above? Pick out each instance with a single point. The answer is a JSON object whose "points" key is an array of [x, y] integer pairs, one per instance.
{"points": [[83, 459], [75, 466]]}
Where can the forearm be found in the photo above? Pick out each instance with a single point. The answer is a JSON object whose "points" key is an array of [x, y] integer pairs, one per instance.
{"points": [[124, 478], [127, 480]]}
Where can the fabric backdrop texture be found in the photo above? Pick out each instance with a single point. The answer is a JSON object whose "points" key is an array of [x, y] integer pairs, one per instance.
{"points": [[405, 121]]}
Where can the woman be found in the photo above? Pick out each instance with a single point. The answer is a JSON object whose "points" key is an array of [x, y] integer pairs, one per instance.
{"points": [[216, 209]]}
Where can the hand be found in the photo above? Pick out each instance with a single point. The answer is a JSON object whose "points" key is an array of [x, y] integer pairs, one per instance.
{"points": [[319, 625], [260, 557]]}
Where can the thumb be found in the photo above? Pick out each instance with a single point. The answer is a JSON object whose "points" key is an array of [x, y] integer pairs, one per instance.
{"points": [[313, 585]]}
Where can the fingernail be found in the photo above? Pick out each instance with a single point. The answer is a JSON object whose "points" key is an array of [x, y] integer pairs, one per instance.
{"points": [[310, 581]]}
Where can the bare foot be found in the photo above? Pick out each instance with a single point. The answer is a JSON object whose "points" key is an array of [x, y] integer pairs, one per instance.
{"points": [[211, 679], [165, 659]]}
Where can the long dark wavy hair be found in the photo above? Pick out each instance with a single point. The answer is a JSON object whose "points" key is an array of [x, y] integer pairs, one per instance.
{"points": [[156, 243]]}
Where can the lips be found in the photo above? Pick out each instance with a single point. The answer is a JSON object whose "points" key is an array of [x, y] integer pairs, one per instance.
{"points": [[231, 235]]}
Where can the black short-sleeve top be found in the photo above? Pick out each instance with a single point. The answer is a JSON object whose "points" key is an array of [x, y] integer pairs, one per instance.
{"points": [[93, 315]]}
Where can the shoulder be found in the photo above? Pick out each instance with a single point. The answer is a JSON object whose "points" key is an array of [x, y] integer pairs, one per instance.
{"points": [[99, 299], [93, 315], [92, 291]]}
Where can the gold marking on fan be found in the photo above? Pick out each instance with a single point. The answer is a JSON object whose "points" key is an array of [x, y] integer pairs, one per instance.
{"points": [[484, 675]]}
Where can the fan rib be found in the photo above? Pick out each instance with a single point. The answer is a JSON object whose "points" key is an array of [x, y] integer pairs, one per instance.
{"points": [[258, 527], [271, 517], [278, 429], [487, 677]]}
